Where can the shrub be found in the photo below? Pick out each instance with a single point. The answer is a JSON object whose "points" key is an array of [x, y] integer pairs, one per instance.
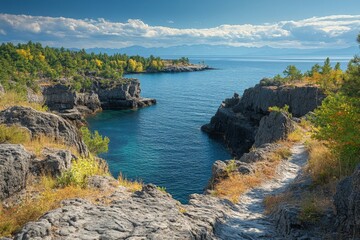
{"points": [[284, 110], [81, 169], [94, 141], [337, 123]]}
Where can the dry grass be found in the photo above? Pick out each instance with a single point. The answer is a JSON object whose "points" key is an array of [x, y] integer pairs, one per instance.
{"points": [[18, 135], [132, 186], [11, 98], [14, 134], [271, 202], [297, 135], [48, 198], [37, 144], [323, 165], [236, 184]]}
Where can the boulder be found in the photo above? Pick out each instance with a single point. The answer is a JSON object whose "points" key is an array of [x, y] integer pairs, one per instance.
{"points": [[259, 154], [34, 97], [14, 169], [54, 162], [43, 123], [276, 126], [347, 205]]}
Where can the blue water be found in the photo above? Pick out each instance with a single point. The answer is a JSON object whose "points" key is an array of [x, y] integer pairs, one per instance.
{"points": [[163, 144]]}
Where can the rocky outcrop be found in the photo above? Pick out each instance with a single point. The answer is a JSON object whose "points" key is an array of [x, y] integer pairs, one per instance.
{"points": [[53, 162], [300, 99], [124, 94], [60, 98], [173, 68], [276, 126], [347, 204], [14, 169], [147, 214], [223, 169], [43, 123], [246, 120], [236, 128]]}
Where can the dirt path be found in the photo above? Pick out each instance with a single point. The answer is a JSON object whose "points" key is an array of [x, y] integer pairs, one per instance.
{"points": [[249, 221]]}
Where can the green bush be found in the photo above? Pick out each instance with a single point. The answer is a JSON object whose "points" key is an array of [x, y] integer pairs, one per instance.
{"points": [[284, 110], [337, 121], [95, 142], [81, 169]]}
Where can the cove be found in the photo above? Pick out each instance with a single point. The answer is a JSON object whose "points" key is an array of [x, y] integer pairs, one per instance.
{"points": [[163, 144]]}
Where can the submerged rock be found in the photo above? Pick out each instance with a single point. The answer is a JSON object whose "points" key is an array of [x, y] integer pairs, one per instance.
{"points": [[43, 123], [14, 169]]}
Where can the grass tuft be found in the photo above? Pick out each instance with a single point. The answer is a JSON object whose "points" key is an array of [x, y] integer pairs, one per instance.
{"points": [[133, 186], [12, 98]]}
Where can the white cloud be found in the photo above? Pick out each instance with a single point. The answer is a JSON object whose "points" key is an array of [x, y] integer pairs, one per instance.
{"points": [[313, 32]]}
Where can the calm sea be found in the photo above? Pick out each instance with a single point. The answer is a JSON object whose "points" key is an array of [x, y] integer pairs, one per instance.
{"points": [[163, 144]]}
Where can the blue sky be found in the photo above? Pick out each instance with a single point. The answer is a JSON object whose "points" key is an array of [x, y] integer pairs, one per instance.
{"points": [[150, 23]]}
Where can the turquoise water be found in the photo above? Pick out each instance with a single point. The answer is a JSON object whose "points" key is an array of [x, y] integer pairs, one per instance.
{"points": [[163, 144]]}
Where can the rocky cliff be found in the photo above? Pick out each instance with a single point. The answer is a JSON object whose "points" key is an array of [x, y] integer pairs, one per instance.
{"points": [[245, 121], [124, 94]]}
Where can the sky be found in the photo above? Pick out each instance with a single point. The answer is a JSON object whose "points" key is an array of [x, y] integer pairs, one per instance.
{"points": [[163, 23]]}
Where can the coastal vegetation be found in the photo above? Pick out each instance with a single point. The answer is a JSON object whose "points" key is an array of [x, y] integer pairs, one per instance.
{"points": [[30, 65]]}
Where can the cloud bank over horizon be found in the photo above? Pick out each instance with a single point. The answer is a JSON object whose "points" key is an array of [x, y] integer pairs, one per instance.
{"points": [[336, 31]]}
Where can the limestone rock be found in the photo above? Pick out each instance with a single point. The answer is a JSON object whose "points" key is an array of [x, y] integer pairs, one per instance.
{"points": [[123, 94], [34, 97], [300, 100], [259, 154], [61, 97], [54, 162], [43, 123], [237, 120], [347, 204], [147, 214], [14, 169], [276, 126]]}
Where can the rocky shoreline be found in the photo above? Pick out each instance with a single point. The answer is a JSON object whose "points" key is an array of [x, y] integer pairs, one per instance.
{"points": [[110, 95], [243, 122]]}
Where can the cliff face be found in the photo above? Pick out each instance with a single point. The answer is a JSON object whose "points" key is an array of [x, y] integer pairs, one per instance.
{"points": [[110, 95], [238, 119]]}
